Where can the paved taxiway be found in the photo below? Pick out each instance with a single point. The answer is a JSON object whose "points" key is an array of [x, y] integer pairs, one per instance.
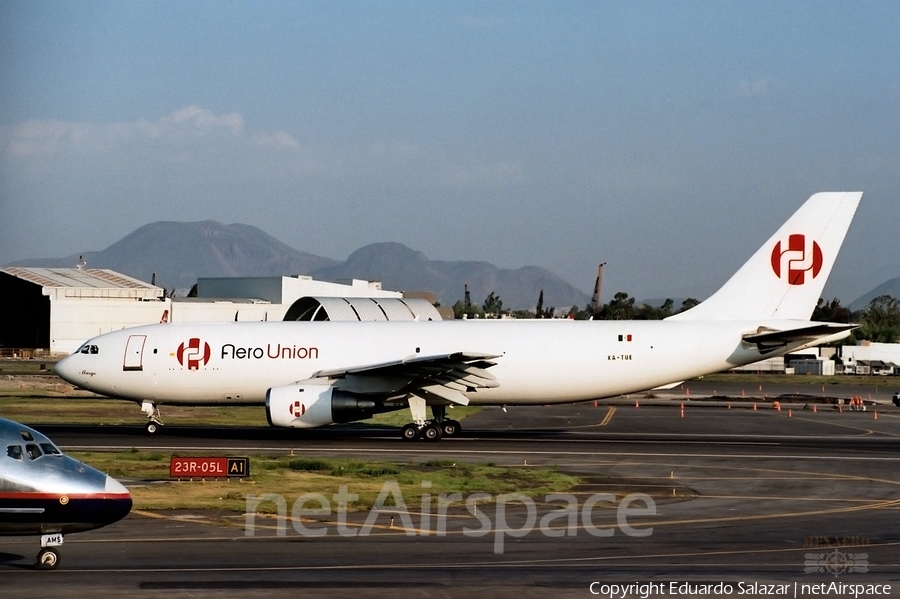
{"points": [[758, 496]]}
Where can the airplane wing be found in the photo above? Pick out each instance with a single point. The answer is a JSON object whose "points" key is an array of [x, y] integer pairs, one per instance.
{"points": [[769, 340], [438, 379]]}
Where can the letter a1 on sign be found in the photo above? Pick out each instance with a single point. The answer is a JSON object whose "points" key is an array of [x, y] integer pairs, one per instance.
{"points": [[238, 467]]}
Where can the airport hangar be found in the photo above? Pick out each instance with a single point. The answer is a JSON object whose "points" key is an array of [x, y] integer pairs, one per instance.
{"points": [[52, 311]]}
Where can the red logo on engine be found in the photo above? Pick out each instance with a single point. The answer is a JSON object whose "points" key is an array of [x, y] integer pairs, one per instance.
{"points": [[297, 409], [800, 256], [191, 354]]}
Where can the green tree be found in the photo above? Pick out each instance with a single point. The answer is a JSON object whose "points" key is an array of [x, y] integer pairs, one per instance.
{"points": [[831, 311], [586, 313], [666, 309], [493, 305], [539, 311], [620, 308], [688, 304], [880, 321], [461, 311]]}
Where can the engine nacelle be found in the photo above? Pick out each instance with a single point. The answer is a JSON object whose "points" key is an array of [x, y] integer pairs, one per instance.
{"points": [[301, 405]]}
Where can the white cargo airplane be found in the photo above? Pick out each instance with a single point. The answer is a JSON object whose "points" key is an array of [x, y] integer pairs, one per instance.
{"points": [[311, 374]]}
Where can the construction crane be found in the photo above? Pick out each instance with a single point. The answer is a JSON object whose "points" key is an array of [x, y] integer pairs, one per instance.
{"points": [[595, 300]]}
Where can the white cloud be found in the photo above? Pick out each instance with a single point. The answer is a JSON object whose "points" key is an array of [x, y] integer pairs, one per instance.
{"points": [[185, 125]]}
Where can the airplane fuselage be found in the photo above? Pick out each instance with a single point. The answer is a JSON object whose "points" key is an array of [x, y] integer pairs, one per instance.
{"points": [[537, 362]]}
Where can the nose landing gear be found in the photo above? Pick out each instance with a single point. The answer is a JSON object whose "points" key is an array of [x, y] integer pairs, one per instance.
{"points": [[48, 556], [154, 426], [47, 559]]}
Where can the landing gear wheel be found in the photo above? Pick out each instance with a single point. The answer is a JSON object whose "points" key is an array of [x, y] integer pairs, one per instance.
{"points": [[450, 428], [47, 559], [410, 432], [432, 432], [153, 428]]}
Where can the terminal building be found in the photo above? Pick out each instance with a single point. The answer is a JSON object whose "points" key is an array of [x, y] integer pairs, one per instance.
{"points": [[56, 309]]}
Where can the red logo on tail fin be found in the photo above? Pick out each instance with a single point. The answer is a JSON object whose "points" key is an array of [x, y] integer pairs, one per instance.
{"points": [[798, 257]]}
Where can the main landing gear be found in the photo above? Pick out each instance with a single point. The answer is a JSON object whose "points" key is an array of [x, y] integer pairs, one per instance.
{"points": [[154, 426], [429, 430]]}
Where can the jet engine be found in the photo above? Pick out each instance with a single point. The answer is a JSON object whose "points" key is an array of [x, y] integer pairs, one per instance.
{"points": [[300, 405]]}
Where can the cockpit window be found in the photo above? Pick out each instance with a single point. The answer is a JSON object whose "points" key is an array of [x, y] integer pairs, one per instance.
{"points": [[88, 349], [34, 452], [26, 436], [50, 449], [14, 452]]}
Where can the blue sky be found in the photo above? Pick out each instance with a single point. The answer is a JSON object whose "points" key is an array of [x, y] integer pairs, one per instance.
{"points": [[669, 139]]}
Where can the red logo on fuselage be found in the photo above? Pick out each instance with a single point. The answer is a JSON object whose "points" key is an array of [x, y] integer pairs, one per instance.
{"points": [[297, 409], [800, 256], [192, 355]]}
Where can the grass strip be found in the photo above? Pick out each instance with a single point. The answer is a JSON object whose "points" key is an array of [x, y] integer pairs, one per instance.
{"points": [[147, 476]]}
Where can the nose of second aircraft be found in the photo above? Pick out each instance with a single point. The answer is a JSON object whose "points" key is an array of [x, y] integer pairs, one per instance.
{"points": [[118, 499]]}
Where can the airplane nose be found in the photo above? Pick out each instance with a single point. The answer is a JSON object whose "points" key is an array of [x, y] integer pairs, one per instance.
{"points": [[115, 487], [118, 506], [66, 369]]}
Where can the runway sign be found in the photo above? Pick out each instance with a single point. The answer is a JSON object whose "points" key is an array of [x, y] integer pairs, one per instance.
{"points": [[198, 467]]}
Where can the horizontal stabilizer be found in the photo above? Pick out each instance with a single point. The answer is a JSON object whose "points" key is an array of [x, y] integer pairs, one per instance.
{"points": [[768, 340]]}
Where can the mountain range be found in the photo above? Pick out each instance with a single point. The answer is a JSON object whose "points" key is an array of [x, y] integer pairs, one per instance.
{"points": [[178, 253], [891, 287]]}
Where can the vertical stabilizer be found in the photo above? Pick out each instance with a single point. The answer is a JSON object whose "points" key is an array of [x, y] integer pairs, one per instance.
{"points": [[785, 277]]}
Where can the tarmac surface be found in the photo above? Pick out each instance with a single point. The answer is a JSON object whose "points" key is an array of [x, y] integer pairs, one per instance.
{"points": [[717, 492]]}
